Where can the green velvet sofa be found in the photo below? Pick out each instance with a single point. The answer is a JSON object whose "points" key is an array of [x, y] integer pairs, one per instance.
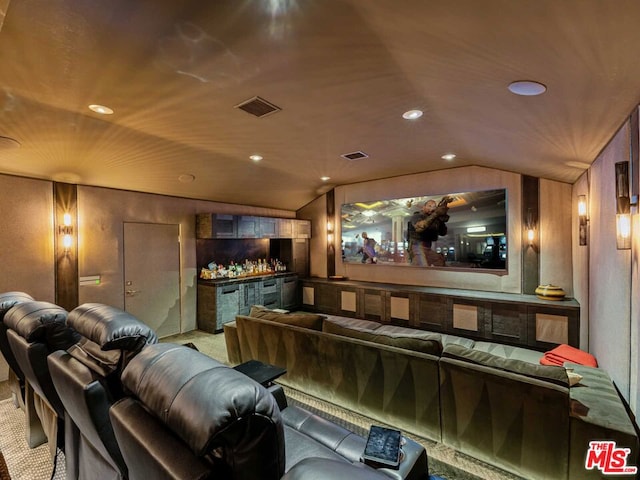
{"points": [[493, 402]]}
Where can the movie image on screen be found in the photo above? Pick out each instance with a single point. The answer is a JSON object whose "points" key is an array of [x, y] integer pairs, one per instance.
{"points": [[466, 230]]}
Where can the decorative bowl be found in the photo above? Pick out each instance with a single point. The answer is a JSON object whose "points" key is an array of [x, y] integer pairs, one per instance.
{"points": [[550, 292]]}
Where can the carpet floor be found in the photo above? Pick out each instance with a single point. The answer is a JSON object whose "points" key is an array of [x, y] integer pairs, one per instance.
{"points": [[25, 463]]}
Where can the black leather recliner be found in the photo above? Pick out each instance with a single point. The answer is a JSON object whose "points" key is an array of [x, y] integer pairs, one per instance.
{"points": [[190, 416], [16, 377], [35, 329], [87, 379]]}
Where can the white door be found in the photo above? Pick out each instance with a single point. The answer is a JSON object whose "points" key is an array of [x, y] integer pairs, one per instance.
{"points": [[152, 275]]}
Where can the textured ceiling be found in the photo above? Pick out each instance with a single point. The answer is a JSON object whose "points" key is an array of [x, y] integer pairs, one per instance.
{"points": [[343, 72]]}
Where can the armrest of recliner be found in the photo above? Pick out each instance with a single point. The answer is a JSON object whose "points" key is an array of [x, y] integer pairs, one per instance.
{"points": [[278, 393], [325, 469], [342, 441], [150, 450]]}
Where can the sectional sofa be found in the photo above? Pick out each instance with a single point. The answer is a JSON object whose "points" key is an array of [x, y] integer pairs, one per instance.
{"points": [[493, 402]]}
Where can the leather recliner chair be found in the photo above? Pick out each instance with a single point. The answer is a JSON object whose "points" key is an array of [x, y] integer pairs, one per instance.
{"points": [[35, 329], [192, 417], [87, 379], [16, 377]]}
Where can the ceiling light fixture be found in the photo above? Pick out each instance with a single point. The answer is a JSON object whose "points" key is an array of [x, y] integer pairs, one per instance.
{"points": [[412, 114], [256, 158], [101, 109], [527, 88], [449, 156], [324, 179]]}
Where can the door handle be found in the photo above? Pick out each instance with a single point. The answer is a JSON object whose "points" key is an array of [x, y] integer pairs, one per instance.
{"points": [[132, 293]]}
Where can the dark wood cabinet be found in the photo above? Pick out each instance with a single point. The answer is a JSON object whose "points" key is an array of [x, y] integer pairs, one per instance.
{"points": [[215, 225], [248, 227], [514, 319], [301, 229], [219, 301], [289, 292], [268, 227], [285, 228]]}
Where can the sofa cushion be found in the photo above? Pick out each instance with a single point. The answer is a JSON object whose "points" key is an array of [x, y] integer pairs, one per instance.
{"points": [[552, 374], [306, 320], [507, 351], [354, 323], [400, 337], [456, 340]]}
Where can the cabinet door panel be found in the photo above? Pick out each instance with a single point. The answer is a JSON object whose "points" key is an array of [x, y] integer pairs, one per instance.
{"points": [[290, 293], [268, 227], [248, 227]]}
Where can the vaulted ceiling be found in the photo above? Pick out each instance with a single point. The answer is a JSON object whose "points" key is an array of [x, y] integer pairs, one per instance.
{"points": [[341, 71]]}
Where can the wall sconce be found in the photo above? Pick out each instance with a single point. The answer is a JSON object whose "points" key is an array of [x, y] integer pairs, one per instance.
{"points": [[530, 228], [330, 233], [66, 230], [623, 207], [583, 219]]}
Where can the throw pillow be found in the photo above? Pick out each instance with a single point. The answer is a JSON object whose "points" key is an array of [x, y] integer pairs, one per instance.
{"points": [[574, 378]]}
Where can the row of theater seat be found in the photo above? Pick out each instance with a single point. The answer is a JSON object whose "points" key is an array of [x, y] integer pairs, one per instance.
{"points": [[122, 406]]}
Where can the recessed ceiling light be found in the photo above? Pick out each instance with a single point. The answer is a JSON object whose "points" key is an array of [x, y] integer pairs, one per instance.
{"points": [[448, 156], [101, 109], [527, 88], [256, 158], [412, 114], [186, 178], [324, 179]]}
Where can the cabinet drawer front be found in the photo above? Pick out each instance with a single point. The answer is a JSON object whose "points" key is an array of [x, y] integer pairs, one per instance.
{"points": [[269, 287], [229, 289]]}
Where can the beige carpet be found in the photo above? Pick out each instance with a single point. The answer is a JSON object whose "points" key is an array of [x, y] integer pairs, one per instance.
{"points": [[24, 463]]}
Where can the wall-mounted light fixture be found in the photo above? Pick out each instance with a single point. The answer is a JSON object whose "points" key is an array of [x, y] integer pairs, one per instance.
{"points": [[623, 207], [530, 228], [330, 232], [66, 230], [583, 218]]}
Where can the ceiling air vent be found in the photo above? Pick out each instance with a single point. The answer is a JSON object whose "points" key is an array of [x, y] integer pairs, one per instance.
{"points": [[355, 155], [258, 106]]}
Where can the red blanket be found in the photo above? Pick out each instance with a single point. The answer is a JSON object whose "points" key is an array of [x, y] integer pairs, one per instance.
{"points": [[566, 353]]}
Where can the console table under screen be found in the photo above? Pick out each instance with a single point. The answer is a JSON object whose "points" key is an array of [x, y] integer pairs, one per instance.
{"points": [[514, 319]]}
